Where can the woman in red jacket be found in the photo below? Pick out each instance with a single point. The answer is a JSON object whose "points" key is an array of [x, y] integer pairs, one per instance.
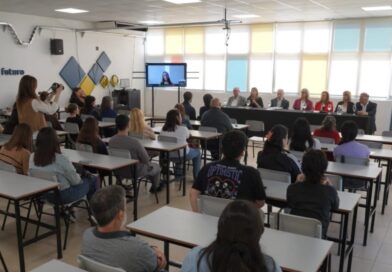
{"points": [[324, 105], [303, 103]]}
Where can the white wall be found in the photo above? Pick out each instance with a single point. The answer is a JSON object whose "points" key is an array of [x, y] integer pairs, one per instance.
{"points": [[124, 52], [165, 100]]}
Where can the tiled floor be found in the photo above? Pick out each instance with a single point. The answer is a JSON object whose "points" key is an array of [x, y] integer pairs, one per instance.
{"points": [[375, 257]]}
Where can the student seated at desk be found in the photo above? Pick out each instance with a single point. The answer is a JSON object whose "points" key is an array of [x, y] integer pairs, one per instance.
{"points": [[18, 149], [188, 108], [89, 107], [328, 129], [313, 196], [74, 115], [173, 128], [237, 246], [138, 126], [107, 108], [110, 243], [89, 134], [207, 103], [275, 156], [301, 138], [48, 157], [144, 168], [228, 178], [185, 121]]}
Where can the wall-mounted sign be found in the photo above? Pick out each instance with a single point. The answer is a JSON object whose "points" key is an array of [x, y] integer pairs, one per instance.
{"points": [[11, 72]]}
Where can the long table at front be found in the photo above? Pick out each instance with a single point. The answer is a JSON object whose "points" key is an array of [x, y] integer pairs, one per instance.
{"points": [[288, 117], [348, 204], [188, 229]]}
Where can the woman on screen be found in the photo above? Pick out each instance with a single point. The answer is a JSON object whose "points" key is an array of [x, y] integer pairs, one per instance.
{"points": [[166, 79]]}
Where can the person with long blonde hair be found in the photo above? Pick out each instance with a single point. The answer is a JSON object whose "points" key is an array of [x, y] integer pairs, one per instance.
{"points": [[138, 126]]}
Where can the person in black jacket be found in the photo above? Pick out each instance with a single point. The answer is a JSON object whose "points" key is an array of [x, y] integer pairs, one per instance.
{"points": [[207, 103], [275, 156], [367, 108], [189, 110], [280, 101], [254, 100], [345, 106]]}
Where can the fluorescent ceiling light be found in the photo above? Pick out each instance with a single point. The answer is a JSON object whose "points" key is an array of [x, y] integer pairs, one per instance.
{"points": [[71, 10], [378, 8], [151, 22], [178, 2], [246, 16]]}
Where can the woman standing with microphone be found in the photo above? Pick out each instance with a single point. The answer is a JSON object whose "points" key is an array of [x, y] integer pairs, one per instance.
{"points": [[31, 109]]}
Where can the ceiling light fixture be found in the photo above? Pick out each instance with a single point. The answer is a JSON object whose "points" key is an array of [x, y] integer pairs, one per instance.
{"points": [[377, 8], [179, 2], [71, 10], [245, 16], [151, 22]]}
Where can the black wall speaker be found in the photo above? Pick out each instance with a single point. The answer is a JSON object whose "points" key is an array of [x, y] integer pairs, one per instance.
{"points": [[56, 47]]}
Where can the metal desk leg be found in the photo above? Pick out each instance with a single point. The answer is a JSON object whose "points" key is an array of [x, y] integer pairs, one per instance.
{"points": [[205, 151], [19, 236], [135, 192], [167, 177], [184, 174], [367, 212], [386, 186], [58, 225], [166, 251], [378, 184], [343, 242], [352, 239], [111, 178]]}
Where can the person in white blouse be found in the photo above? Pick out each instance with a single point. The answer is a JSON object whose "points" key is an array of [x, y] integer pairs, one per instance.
{"points": [[31, 108], [173, 128]]}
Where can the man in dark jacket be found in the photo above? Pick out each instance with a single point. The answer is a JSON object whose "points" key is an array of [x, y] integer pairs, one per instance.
{"points": [[366, 107]]}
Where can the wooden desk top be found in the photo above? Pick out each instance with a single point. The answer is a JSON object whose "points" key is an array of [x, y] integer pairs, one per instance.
{"points": [[290, 251], [98, 161], [57, 266], [277, 190], [195, 134], [370, 172], [17, 187]]}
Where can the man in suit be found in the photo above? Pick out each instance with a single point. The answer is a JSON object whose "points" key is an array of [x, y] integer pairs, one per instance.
{"points": [[280, 101], [366, 107], [236, 100]]}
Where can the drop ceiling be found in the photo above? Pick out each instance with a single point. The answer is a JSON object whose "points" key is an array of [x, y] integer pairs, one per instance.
{"points": [[207, 10]]}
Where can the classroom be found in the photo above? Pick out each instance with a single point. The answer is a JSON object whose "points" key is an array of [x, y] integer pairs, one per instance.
{"points": [[195, 135]]}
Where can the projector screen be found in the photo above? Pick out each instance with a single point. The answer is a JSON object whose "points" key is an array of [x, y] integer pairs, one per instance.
{"points": [[165, 74]]}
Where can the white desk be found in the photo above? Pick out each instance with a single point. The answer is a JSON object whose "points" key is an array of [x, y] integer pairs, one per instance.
{"points": [[189, 229], [348, 204], [375, 138], [197, 123], [101, 124], [17, 187], [57, 266]]}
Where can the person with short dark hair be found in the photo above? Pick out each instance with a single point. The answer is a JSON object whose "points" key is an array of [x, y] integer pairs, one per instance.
{"points": [[74, 115], [48, 157], [107, 108], [348, 146], [207, 104], [275, 156], [228, 178], [89, 107], [189, 109], [314, 197], [144, 168], [237, 245], [364, 107], [17, 150], [301, 136], [216, 118], [328, 129], [109, 243]]}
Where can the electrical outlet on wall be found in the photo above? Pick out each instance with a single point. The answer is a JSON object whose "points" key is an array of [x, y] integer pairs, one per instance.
{"points": [[97, 48]]}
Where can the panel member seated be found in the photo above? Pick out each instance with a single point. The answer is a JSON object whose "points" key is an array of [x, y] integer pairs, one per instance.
{"points": [[236, 100], [254, 100], [109, 243], [303, 103], [367, 108], [228, 178], [324, 105], [345, 106], [216, 118], [279, 100]]}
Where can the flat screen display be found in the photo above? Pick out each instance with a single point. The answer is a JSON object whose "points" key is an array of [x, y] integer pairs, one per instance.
{"points": [[165, 74]]}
